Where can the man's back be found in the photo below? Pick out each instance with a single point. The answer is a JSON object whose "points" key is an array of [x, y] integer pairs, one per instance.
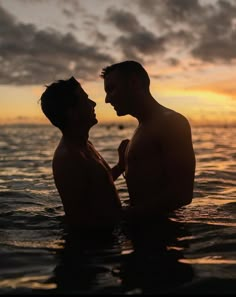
{"points": [[85, 184], [161, 163]]}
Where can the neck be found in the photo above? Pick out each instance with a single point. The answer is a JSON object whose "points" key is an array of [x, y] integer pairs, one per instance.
{"points": [[76, 137], [145, 108]]}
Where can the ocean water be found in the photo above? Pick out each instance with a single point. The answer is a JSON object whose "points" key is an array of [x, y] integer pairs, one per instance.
{"points": [[194, 252]]}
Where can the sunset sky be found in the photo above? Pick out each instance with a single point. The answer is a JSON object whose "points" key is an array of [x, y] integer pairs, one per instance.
{"points": [[188, 48]]}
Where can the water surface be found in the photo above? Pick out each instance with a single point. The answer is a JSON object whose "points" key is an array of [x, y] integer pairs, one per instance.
{"points": [[193, 252]]}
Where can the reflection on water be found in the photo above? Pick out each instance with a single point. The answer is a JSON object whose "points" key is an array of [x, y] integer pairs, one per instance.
{"points": [[97, 263], [154, 266], [193, 252]]}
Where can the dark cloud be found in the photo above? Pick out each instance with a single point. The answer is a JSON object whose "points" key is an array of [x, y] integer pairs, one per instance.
{"points": [[123, 20], [72, 26], [173, 61], [32, 56], [70, 8], [136, 41], [217, 50], [169, 13], [206, 32], [140, 43], [178, 39], [211, 25], [217, 39], [100, 37], [68, 13]]}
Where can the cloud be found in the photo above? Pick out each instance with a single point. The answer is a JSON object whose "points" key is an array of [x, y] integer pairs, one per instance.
{"points": [[124, 21], [209, 27], [136, 41], [169, 13], [217, 40], [217, 50], [173, 61], [170, 30], [70, 8], [32, 56], [140, 43]]}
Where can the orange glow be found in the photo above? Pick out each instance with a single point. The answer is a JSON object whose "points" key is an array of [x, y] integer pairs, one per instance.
{"points": [[209, 103], [208, 260], [225, 87], [201, 105], [33, 282]]}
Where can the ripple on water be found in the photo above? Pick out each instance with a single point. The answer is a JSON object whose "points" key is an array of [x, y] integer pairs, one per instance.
{"points": [[37, 254]]}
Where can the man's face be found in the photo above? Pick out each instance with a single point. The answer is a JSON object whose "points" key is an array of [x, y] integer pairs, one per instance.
{"points": [[85, 108], [117, 92]]}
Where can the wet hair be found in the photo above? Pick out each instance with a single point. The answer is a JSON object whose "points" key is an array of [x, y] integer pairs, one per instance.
{"points": [[57, 99], [127, 68]]}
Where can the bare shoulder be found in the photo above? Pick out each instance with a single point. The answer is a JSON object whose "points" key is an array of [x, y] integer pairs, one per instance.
{"points": [[174, 124], [65, 161], [173, 117], [166, 123], [176, 135]]}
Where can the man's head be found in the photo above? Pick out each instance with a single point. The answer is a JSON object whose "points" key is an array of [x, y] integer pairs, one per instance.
{"points": [[124, 84], [64, 101]]}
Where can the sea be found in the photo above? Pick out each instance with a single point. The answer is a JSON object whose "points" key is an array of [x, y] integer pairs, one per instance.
{"points": [[193, 252]]}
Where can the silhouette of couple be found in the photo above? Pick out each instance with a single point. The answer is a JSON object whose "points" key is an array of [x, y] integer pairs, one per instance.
{"points": [[158, 161]]}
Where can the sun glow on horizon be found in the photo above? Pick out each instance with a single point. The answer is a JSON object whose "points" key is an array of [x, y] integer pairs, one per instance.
{"points": [[200, 105]]}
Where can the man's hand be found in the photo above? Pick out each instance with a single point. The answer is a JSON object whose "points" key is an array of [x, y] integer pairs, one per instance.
{"points": [[119, 168], [121, 151]]}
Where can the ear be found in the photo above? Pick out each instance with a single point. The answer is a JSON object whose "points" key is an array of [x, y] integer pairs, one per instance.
{"points": [[70, 113]]}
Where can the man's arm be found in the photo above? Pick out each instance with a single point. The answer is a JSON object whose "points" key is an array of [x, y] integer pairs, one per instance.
{"points": [[178, 162]]}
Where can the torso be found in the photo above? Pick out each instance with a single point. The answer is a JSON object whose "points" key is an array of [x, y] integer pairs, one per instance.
{"points": [[103, 191], [144, 171], [93, 193]]}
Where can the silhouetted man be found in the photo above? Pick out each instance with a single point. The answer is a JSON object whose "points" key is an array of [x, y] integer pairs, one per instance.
{"points": [[160, 160], [84, 180]]}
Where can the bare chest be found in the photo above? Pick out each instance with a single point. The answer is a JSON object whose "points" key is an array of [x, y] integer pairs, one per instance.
{"points": [[144, 145]]}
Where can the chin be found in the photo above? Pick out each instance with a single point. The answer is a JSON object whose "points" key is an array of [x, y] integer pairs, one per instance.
{"points": [[94, 122]]}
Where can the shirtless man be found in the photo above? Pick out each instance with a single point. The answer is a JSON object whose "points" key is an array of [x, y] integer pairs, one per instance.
{"points": [[160, 160], [83, 179]]}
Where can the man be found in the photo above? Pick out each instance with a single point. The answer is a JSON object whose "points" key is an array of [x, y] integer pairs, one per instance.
{"points": [[160, 160], [83, 179]]}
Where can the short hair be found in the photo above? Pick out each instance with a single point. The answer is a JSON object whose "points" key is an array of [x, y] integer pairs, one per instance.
{"points": [[128, 68], [57, 99]]}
